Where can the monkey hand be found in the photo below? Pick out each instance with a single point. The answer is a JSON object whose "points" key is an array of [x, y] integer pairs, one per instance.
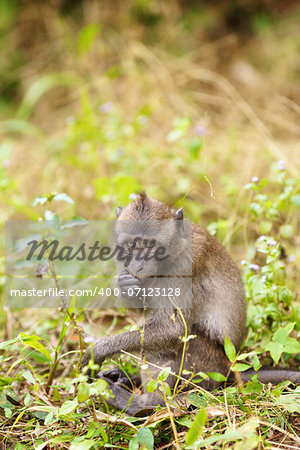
{"points": [[129, 286]]}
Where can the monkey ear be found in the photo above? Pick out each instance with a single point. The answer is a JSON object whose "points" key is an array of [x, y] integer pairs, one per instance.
{"points": [[118, 211], [179, 214], [180, 223]]}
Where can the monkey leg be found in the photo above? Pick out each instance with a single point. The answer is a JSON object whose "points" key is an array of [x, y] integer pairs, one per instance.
{"points": [[117, 375], [145, 403]]}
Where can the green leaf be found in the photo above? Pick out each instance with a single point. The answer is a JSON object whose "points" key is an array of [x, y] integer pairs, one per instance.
{"points": [[195, 399], [163, 374], [217, 376], [63, 198], [83, 392], [49, 418], [87, 37], [275, 350], [296, 200], [230, 350], [194, 147], [145, 437], [290, 402], [86, 444], [151, 386], [265, 227], [196, 429], [256, 363], [164, 387], [50, 215], [282, 333], [240, 367], [33, 342], [175, 135], [133, 444], [27, 399], [28, 376], [40, 200], [286, 231], [67, 407]]}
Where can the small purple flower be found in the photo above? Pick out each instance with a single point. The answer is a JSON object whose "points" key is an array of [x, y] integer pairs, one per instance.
{"points": [[263, 279], [70, 120], [254, 267], [281, 164], [262, 237], [243, 262], [142, 120], [133, 196], [106, 107], [291, 258], [89, 339], [254, 179], [271, 242], [200, 131]]}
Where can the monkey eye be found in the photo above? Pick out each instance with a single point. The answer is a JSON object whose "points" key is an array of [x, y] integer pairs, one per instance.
{"points": [[149, 244], [130, 244]]}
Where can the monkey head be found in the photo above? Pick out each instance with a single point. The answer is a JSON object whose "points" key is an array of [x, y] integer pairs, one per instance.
{"points": [[152, 235]]}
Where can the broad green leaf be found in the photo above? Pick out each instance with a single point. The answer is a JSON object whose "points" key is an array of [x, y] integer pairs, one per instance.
{"points": [[164, 387], [27, 399], [87, 37], [67, 407], [283, 332], [217, 376], [185, 421], [86, 444], [196, 429], [194, 147], [49, 418], [63, 198], [296, 200], [33, 342], [230, 350], [28, 376], [265, 227], [133, 444], [286, 231], [175, 135], [240, 367], [145, 437], [291, 402], [151, 386], [275, 350], [83, 392], [50, 215], [256, 363], [40, 200], [163, 374]]}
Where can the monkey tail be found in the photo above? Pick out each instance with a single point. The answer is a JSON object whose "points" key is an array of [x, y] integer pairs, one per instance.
{"points": [[273, 376]]}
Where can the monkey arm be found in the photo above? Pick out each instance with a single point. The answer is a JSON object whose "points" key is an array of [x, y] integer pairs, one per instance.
{"points": [[157, 335]]}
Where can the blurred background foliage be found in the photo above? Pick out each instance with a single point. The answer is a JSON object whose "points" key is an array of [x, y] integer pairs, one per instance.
{"points": [[187, 99]]}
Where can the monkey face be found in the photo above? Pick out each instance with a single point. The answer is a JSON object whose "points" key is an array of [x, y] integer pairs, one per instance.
{"points": [[150, 248]]}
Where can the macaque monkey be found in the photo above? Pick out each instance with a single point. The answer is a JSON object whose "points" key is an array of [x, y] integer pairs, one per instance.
{"points": [[210, 307]]}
